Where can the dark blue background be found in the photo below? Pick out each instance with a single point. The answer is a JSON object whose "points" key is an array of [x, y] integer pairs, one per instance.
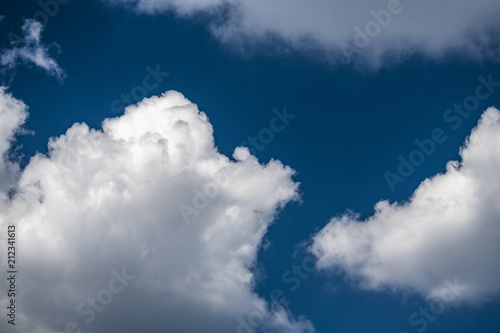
{"points": [[350, 128]]}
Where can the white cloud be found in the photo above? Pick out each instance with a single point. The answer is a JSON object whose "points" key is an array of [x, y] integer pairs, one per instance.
{"points": [[31, 51], [433, 29], [449, 229], [109, 199], [12, 114]]}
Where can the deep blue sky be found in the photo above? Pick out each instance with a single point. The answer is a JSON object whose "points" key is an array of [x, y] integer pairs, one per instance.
{"points": [[351, 125]]}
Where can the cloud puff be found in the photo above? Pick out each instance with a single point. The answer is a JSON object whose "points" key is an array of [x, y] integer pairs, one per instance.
{"points": [[369, 33], [103, 243], [12, 114], [31, 51], [449, 229]]}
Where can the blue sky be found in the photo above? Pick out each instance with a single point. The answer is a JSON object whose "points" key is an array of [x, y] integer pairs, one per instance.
{"points": [[301, 220]]}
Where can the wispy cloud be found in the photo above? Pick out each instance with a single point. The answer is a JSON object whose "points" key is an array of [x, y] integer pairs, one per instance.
{"points": [[31, 51], [366, 33]]}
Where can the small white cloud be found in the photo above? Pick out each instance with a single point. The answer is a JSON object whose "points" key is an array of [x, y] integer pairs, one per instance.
{"points": [[12, 114], [105, 199], [449, 229], [391, 30], [31, 51]]}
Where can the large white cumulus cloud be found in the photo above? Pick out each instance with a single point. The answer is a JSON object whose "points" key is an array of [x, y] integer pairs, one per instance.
{"points": [[433, 29], [106, 202], [449, 229]]}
